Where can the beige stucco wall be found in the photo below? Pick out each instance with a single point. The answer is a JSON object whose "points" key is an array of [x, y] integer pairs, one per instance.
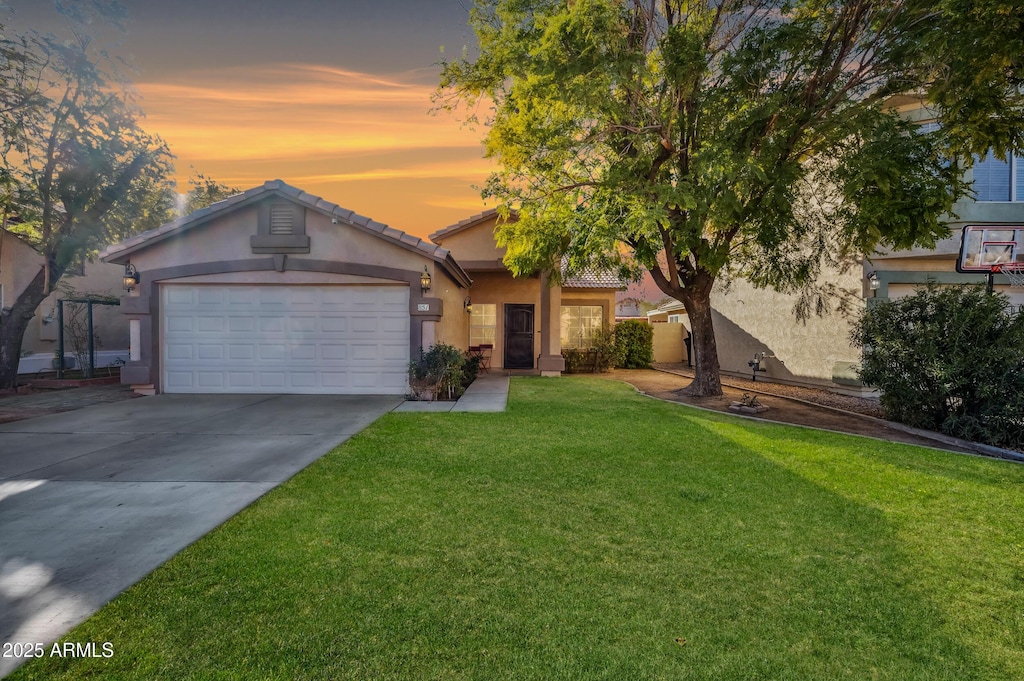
{"points": [[669, 342], [453, 328], [749, 320], [111, 327], [227, 238], [18, 265], [500, 288], [474, 243]]}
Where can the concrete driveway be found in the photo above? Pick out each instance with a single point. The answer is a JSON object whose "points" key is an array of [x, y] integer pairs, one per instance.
{"points": [[93, 500]]}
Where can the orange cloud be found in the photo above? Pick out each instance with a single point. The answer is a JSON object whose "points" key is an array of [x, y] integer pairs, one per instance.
{"points": [[292, 110], [325, 129]]}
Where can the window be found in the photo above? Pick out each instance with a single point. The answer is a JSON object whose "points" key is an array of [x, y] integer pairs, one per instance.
{"points": [[675, 319], [481, 324], [994, 178], [579, 325], [999, 180]]}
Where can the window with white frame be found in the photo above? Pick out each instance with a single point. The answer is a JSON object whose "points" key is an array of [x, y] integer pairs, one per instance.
{"points": [[580, 323], [482, 322]]}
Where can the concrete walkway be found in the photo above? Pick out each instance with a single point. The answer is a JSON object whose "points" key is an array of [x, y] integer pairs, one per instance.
{"points": [[488, 393], [93, 500]]}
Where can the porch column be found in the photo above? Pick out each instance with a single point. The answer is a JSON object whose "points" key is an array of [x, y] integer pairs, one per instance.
{"points": [[139, 372], [550, 362]]}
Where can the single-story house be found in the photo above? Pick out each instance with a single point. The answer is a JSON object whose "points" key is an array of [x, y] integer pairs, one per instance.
{"points": [[525, 318], [275, 290], [19, 264]]}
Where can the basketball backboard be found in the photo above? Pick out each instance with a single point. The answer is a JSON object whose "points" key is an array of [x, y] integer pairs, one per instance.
{"points": [[986, 246]]}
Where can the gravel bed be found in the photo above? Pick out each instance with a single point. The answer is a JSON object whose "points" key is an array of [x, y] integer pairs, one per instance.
{"points": [[859, 405]]}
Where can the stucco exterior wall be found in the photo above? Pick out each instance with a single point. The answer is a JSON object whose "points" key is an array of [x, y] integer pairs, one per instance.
{"points": [[18, 265], [110, 325], [453, 328], [749, 320], [227, 238], [500, 288], [669, 342], [474, 244]]}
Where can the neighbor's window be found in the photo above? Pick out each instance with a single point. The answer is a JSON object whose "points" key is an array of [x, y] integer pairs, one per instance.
{"points": [[994, 178], [579, 325], [481, 324], [999, 180]]}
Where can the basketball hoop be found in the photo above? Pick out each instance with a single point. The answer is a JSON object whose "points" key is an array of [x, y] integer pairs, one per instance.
{"points": [[1012, 271]]}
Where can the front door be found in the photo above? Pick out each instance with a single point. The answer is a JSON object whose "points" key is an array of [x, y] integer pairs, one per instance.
{"points": [[518, 337]]}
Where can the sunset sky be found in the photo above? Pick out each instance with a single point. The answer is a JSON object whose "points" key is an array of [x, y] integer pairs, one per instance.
{"points": [[332, 97]]}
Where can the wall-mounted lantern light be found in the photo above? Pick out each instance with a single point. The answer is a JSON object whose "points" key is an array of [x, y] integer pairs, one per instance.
{"points": [[425, 280], [131, 277], [873, 282], [468, 304]]}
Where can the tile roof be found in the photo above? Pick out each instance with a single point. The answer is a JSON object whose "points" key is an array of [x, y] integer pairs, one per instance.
{"points": [[276, 187], [591, 278], [464, 224], [594, 279]]}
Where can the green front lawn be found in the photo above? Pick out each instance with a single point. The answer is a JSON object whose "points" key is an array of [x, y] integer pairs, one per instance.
{"points": [[591, 533]]}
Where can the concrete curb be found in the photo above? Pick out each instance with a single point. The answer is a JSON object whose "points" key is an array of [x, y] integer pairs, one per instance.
{"points": [[980, 449]]}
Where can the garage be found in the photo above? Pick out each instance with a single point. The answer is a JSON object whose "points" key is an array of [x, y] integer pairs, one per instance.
{"points": [[285, 339], [277, 291]]}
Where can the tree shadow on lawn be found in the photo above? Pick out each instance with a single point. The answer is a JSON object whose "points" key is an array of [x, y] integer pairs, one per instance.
{"points": [[944, 530], [626, 542]]}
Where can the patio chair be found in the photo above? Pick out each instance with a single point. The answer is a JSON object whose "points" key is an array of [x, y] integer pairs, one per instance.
{"points": [[485, 356]]}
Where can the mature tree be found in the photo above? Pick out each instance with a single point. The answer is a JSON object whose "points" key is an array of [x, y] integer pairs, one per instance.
{"points": [[79, 172], [698, 140], [205, 190]]}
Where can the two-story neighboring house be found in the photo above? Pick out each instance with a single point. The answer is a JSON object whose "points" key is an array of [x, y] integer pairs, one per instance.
{"points": [[750, 321], [998, 203]]}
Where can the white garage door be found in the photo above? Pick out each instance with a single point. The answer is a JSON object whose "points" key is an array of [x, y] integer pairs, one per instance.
{"points": [[285, 339]]}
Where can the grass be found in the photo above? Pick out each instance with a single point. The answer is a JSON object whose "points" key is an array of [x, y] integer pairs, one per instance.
{"points": [[592, 533]]}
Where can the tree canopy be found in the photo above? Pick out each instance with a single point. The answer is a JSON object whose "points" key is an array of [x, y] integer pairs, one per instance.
{"points": [[205, 190], [77, 169], [755, 138]]}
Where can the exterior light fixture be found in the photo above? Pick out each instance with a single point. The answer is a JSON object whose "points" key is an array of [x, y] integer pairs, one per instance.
{"points": [[873, 282], [468, 304], [131, 277], [425, 280]]}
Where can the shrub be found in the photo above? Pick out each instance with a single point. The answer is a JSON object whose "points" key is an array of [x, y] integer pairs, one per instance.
{"points": [[599, 357], [440, 369], [634, 340], [949, 359], [606, 350], [470, 369], [576, 361]]}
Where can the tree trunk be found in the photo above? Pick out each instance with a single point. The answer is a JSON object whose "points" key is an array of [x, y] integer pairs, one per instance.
{"points": [[707, 380], [696, 298], [12, 329]]}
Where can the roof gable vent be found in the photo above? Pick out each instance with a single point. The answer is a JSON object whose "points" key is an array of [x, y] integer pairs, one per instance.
{"points": [[282, 219], [281, 228]]}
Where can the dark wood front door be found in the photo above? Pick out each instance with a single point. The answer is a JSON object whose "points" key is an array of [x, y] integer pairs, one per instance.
{"points": [[518, 337]]}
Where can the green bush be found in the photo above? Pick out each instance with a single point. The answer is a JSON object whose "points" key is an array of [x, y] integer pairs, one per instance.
{"points": [[601, 356], [576, 361], [634, 342], [441, 370], [949, 359], [606, 350]]}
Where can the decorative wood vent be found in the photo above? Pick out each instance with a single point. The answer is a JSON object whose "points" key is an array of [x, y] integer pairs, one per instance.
{"points": [[281, 228], [282, 219]]}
